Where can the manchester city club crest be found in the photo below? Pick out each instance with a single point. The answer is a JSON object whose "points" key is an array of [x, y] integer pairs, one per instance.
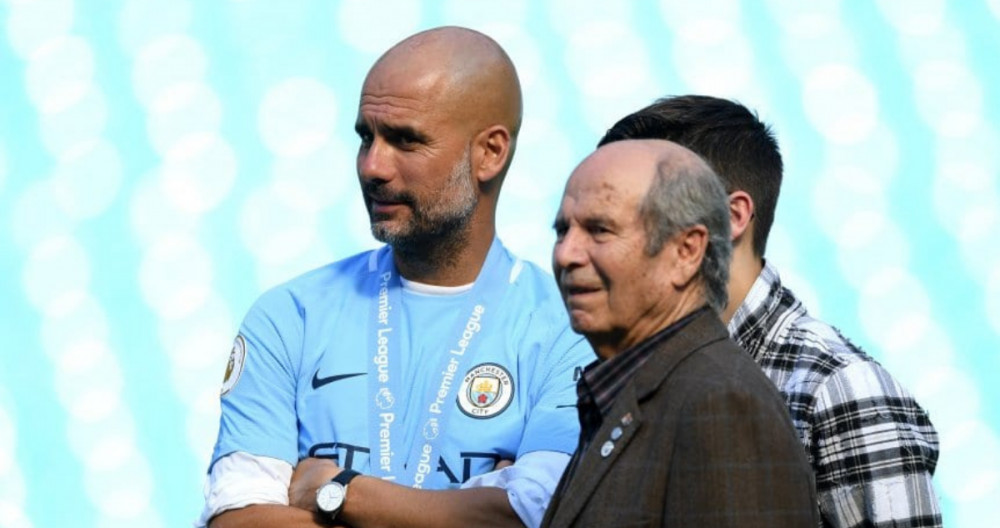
{"points": [[487, 390]]}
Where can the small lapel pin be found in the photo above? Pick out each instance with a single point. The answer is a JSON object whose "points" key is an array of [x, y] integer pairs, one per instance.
{"points": [[616, 433], [607, 448], [627, 419]]}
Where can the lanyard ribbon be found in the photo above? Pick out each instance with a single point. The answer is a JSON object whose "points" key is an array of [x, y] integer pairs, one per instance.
{"points": [[387, 392]]}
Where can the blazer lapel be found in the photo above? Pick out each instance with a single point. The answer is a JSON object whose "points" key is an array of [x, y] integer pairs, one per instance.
{"points": [[626, 416], [599, 457]]}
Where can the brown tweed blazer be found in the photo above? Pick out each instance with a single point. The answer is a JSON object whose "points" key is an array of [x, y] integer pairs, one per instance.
{"points": [[704, 440]]}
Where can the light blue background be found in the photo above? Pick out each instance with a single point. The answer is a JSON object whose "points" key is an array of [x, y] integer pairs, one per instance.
{"points": [[164, 161]]}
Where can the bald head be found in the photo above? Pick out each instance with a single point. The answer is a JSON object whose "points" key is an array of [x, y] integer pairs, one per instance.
{"points": [[638, 162], [464, 70], [437, 120]]}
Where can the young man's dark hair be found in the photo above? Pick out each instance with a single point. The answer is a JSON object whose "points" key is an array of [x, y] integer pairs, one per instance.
{"points": [[732, 139]]}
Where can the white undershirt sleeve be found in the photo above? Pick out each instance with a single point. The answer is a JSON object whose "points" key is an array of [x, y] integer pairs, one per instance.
{"points": [[529, 482], [240, 479]]}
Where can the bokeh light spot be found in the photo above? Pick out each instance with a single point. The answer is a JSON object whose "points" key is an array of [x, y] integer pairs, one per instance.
{"points": [[948, 97], [30, 24], [806, 20], [914, 17], [893, 286], [181, 110], [373, 27], [60, 73], [124, 492], [297, 116], [615, 76], [143, 21], [198, 172], [840, 103], [274, 229], [977, 449], [169, 60], [88, 178], [36, 216], [327, 175], [80, 123], [56, 275], [175, 276], [154, 217]]}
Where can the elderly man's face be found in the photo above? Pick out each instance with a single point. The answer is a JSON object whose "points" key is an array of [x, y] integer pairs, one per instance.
{"points": [[611, 287], [413, 162]]}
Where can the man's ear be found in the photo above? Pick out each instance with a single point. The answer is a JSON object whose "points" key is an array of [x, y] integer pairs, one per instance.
{"points": [[689, 246], [491, 150], [741, 213]]}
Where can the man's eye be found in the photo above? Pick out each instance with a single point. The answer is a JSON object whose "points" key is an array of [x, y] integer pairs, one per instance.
{"points": [[560, 228], [404, 140], [366, 139]]}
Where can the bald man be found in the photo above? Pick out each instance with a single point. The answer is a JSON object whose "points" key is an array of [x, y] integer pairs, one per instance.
{"points": [[679, 426], [395, 387]]}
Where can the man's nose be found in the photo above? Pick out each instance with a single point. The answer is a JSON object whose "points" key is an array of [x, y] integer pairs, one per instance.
{"points": [[374, 162], [568, 251]]}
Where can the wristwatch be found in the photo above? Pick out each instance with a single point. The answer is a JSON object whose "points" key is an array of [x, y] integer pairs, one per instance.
{"points": [[330, 496]]}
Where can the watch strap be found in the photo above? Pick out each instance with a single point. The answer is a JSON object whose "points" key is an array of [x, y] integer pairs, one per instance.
{"points": [[345, 476]]}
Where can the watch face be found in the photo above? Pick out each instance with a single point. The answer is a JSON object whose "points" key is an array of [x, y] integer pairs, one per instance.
{"points": [[330, 497]]}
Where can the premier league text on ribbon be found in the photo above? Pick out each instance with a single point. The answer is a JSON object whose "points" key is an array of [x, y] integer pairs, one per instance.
{"points": [[472, 327], [382, 360]]}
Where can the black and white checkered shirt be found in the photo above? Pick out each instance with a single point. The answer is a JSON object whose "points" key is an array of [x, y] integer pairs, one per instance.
{"points": [[873, 448]]}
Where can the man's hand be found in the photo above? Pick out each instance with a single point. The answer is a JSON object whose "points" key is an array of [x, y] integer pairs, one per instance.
{"points": [[309, 475]]}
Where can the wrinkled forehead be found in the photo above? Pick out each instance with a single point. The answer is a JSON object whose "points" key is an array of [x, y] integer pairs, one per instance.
{"points": [[619, 172], [601, 191]]}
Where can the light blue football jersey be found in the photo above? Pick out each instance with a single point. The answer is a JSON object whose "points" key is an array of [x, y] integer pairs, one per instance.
{"points": [[304, 377]]}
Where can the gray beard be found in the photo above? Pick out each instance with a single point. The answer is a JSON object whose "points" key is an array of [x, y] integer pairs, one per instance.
{"points": [[436, 234], [429, 249]]}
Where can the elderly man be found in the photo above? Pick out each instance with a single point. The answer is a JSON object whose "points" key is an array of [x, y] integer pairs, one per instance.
{"points": [[387, 379], [679, 426], [872, 447]]}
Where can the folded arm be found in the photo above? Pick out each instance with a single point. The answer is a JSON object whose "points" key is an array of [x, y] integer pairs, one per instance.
{"points": [[373, 502], [246, 491]]}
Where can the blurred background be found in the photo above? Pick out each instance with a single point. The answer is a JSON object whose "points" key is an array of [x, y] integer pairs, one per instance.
{"points": [[162, 162]]}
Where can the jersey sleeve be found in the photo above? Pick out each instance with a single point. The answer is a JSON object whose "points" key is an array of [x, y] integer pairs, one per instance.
{"points": [[258, 406], [553, 423], [239, 479], [875, 451], [530, 483]]}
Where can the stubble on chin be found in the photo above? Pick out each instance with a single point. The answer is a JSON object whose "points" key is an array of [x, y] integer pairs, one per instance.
{"points": [[431, 248]]}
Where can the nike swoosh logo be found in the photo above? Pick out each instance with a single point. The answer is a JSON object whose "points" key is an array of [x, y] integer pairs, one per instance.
{"points": [[319, 382]]}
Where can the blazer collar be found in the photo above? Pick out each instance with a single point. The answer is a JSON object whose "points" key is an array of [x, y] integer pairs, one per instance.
{"points": [[704, 329]]}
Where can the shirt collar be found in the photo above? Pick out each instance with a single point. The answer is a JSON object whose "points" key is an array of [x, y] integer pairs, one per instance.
{"points": [[602, 380], [758, 307]]}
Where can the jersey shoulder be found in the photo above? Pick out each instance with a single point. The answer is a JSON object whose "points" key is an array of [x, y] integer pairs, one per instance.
{"points": [[343, 279]]}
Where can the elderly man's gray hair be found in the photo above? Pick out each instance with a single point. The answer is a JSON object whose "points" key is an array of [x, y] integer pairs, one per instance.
{"points": [[682, 195]]}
